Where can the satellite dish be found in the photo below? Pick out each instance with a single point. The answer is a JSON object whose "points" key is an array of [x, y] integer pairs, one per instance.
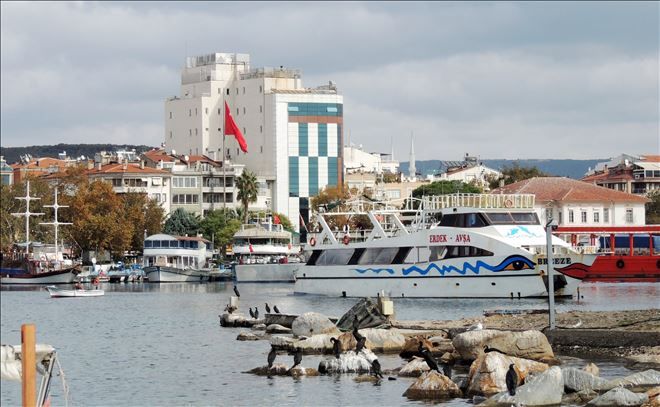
{"points": [[187, 158], [93, 260]]}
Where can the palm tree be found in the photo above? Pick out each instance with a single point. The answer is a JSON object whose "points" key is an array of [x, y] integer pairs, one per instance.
{"points": [[247, 190]]}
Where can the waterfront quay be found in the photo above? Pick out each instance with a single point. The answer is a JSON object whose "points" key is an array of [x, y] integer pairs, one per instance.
{"points": [[161, 344]]}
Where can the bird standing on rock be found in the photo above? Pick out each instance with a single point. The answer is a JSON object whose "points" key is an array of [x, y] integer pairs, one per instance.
{"points": [[267, 308], [275, 309], [271, 356], [297, 358], [511, 379], [428, 358], [236, 292], [251, 313], [360, 344], [256, 313], [336, 347], [375, 369]]}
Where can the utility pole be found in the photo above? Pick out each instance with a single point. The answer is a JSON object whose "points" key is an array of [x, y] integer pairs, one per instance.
{"points": [[551, 280]]}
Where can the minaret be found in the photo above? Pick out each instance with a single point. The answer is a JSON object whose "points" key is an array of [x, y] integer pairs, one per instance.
{"points": [[412, 170]]}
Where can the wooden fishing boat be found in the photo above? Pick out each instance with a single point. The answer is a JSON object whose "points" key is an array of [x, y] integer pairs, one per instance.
{"points": [[56, 292]]}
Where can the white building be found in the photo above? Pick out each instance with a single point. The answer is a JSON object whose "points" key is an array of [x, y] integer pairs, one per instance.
{"points": [[358, 160], [577, 203], [294, 134], [469, 171]]}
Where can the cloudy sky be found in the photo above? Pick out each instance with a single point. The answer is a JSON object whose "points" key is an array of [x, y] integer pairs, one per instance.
{"points": [[497, 80]]}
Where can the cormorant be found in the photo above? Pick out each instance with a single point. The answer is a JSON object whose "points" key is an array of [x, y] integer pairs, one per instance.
{"points": [[446, 370], [336, 347], [256, 313], [375, 369], [488, 349], [360, 344], [236, 292], [356, 334], [297, 358], [251, 313], [275, 309], [432, 364], [267, 308], [271, 356], [511, 380]]}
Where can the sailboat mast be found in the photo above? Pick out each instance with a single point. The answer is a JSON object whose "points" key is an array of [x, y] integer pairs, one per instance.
{"points": [[27, 213], [56, 223]]}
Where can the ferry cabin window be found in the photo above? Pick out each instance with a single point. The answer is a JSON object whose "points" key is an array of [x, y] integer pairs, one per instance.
{"points": [[508, 218], [463, 220], [379, 255], [465, 251], [333, 257]]}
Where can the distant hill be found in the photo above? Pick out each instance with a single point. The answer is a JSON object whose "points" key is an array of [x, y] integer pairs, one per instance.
{"points": [[565, 168], [13, 154]]}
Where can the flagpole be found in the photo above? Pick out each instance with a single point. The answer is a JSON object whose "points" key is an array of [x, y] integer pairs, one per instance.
{"points": [[224, 159]]}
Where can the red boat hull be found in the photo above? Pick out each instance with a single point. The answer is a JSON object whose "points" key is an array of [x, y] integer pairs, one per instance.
{"points": [[606, 268]]}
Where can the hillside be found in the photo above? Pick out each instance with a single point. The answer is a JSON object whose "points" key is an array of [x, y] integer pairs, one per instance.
{"points": [[566, 168], [12, 154]]}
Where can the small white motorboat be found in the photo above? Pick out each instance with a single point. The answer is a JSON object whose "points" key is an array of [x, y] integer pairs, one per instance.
{"points": [[56, 292]]}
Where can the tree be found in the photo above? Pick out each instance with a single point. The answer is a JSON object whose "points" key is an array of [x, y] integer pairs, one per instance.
{"points": [[182, 223], [220, 227], [516, 173], [247, 191], [653, 208], [284, 221], [143, 214]]}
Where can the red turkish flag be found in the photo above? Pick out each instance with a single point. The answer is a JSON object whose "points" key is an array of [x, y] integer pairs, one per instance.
{"points": [[231, 129]]}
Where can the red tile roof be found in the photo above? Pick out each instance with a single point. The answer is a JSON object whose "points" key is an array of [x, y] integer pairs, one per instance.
{"points": [[651, 158], [159, 155], [567, 190], [131, 168]]}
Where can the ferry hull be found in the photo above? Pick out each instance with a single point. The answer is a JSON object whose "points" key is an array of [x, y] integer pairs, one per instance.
{"points": [[266, 273], [165, 274], [631, 269], [65, 276]]}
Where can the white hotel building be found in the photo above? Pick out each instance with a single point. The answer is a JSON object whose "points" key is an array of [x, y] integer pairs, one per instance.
{"points": [[294, 134]]}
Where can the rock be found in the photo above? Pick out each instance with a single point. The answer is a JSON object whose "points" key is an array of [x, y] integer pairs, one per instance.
{"points": [[277, 329], [312, 323], [415, 368], [487, 373], [303, 371], [619, 397], [384, 340], [278, 369], [579, 380], [434, 386], [411, 346], [259, 327], [579, 397], [348, 362], [367, 313], [442, 346], [439, 337], [647, 378], [366, 378], [247, 336], [280, 319], [654, 397], [470, 344], [592, 368], [528, 344], [448, 357], [282, 342], [346, 342], [540, 389]]}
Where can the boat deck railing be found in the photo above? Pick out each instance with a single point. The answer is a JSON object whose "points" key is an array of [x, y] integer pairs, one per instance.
{"points": [[482, 201]]}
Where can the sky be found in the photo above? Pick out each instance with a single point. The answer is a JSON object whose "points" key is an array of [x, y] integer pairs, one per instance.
{"points": [[493, 79]]}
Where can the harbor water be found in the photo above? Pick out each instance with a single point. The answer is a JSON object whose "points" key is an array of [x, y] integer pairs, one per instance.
{"points": [[161, 344]]}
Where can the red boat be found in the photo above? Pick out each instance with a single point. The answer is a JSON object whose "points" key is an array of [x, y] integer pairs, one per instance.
{"points": [[625, 253]]}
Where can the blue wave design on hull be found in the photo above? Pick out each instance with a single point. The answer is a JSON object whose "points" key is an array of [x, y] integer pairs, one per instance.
{"points": [[362, 271], [515, 261]]}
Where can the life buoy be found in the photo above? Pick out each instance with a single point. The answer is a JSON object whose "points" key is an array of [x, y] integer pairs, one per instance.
{"points": [[312, 242], [620, 264], [346, 239], [508, 203]]}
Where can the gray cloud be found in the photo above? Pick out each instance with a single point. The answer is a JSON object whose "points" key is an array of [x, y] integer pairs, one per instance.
{"points": [[500, 80]]}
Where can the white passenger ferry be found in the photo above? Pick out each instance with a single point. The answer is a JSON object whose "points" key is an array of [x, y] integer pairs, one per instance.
{"points": [[266, 253], [171, 259], [453, 246]]}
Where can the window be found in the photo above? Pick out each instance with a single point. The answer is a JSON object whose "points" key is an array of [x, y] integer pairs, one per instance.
{"points": [[583, 216], [261, 88], [170, 115], [378, 255], [606, 215], [262, 149], [195, 130], [170, 134], [596, 216], [189, 112], [190, 132], [571, 216], [629, 215], [237, 91], [219, 111], [185, 199], [195, 111], [228, 91], [219, 91], [206, 110], [184, 182], [237, 109], [334, 257], [244, 90], [244, 110], [261, 109], [261, 129]]}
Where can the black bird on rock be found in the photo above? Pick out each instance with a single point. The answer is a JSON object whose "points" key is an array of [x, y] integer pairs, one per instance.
{"points": [[256, 313], [428, 358], [277, 311], [375, 369], [446, 370], [360, 344], [297, 358], [488, 349], [267, 308], [271, 356], [251, 313], [236, 292], [511, 380], [336, 347]]}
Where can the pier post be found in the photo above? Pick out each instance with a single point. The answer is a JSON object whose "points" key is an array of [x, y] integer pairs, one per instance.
{"points": [[551, 278], [29, 365]]}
